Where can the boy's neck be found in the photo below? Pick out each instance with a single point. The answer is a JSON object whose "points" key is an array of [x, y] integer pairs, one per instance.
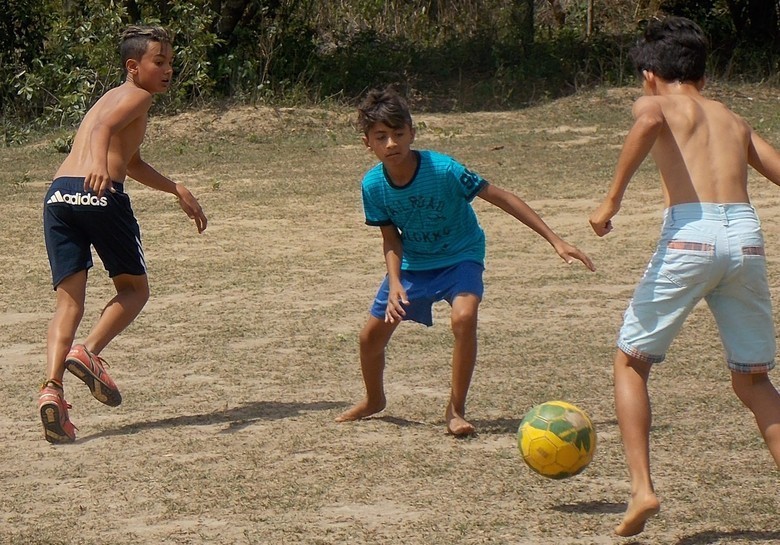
{"points": [[661, 87], [130, 82], [402, 173]]}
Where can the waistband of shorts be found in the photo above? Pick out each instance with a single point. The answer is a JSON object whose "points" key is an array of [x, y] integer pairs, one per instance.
{"points": [[710, 211], [119, 187]]}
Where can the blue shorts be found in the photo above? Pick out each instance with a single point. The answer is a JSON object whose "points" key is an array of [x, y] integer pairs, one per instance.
{"points": [[713, 252], [424, 288], [74, 219]]}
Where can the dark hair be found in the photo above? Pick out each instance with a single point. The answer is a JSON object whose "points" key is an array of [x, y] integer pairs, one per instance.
{"points": [[674, 48], [135, 40], [383, 106]]}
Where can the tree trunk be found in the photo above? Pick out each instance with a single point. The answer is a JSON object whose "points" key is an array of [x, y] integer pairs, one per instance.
{"points": [[523, 19], [559, 14], [230, 14], [589, 20], [133, 12]]}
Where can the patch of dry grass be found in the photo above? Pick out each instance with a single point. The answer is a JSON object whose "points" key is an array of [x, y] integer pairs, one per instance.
{"points": [[247, 350]]}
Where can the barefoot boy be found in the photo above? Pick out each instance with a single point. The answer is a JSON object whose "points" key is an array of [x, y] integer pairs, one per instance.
{"points": [[87, 205], [433, 245], [711, 245]]}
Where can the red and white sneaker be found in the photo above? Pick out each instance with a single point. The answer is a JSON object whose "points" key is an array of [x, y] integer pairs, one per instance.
{"points": [[57, 427], [91, 369]]}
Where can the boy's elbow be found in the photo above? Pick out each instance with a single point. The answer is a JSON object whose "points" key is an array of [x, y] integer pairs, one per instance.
{"points": [[135, 166], [650, 123]]}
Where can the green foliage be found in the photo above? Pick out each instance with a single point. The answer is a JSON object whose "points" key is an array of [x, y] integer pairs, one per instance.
{"points": [[78, 60], [191, 24], [58, 58], [77, 64], [21, 41], [744, 34]]}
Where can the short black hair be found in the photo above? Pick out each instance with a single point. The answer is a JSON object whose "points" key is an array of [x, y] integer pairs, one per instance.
{"points": [[385, 106], [673, 48], [135, 40]]}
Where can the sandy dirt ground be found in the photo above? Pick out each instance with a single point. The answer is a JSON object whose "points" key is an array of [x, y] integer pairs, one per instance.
{"points": [[247, 351]]}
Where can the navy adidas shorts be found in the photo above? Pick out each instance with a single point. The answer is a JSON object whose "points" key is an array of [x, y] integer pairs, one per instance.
{"points": [[74, 220]]}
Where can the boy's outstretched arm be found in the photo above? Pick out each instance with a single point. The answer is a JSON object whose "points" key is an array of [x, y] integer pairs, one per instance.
{"points": [[764, 158], [515, 206], [144, 173], [648, 122]]}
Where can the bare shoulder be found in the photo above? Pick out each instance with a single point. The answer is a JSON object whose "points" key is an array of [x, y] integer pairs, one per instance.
{"points": [[647, 104], [133, 94], [719, 111], [124, 96], [121, 104]]}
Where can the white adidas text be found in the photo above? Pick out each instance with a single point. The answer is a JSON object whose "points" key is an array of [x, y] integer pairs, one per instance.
{"points": [[81, 199]]}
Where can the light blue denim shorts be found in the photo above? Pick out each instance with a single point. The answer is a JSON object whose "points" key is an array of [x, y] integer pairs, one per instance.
{"points": [[713, 252]]}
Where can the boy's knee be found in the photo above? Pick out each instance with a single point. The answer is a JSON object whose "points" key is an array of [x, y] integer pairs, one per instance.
{"points": [[744, 384], [464, 320], [139, 293], [143, 293], [136, 287], [365, 337], [374, 333], [70, 307]]}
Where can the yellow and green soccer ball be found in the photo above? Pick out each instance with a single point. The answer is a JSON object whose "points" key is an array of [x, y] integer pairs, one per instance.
{"points": [[556, 439]]}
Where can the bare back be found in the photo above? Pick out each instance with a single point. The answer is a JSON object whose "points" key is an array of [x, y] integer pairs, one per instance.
{"points": [[123, 111], [701, 150]]}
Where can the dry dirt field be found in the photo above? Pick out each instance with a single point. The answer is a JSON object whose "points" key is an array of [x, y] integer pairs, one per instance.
{"points": [[247, 351]]}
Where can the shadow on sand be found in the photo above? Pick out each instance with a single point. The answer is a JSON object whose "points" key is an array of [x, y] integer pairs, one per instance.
{"points": [[591, 507], [400, 422], [236, 418], [705, 538], [498, 426]]}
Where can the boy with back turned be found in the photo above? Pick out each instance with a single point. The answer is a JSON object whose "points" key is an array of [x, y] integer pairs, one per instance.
{"points": [[86, 205], [711, 245]]}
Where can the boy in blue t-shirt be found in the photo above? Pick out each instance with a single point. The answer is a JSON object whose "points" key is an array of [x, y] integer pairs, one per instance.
{"points": [[434, 248]]}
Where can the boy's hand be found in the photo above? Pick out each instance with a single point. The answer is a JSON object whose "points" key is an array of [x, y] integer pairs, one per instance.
{"points": [[98, 182], [396, 300], [569, 253], [601, 218], [191, 207]]}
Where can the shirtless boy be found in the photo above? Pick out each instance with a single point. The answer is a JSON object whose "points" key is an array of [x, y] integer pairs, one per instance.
{"points": [[711, 245], [86, 205]]}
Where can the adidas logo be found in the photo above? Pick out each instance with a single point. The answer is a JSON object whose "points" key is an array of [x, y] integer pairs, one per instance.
{"points": [[80, 199]]}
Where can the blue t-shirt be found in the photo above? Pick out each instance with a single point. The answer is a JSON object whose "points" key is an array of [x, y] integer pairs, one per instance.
{"points": [[433, 211]]}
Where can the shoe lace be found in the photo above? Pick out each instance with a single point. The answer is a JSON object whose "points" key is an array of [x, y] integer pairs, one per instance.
{"points": [[101, 361], [52, 383]]}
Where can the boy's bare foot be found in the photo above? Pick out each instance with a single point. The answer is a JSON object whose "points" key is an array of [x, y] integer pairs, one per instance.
{"points": [[361, 409], [639, 510], [457, 425]]}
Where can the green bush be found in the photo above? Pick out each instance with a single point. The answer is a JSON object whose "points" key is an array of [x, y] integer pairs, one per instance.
{"points": [[57, 58]]}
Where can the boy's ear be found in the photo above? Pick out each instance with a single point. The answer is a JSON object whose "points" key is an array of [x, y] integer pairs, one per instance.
{"points": [[414, 133], [649, 79], [365, 140], [131, 66]]}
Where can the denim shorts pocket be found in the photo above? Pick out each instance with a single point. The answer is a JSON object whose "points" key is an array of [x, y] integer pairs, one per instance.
{"points": [[687, 261], [753, 262]]}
